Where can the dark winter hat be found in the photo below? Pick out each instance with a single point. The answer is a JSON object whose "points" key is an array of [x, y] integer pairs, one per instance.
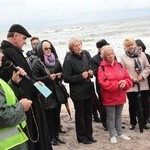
{"points": [[19, 29], [140, 43], [101, 43]]}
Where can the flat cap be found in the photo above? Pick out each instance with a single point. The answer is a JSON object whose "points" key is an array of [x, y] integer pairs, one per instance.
{"points": [[19, 29], [101, 43]]}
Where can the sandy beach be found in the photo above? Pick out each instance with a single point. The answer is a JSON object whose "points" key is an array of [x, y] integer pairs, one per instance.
{"points": [[140, 141]]}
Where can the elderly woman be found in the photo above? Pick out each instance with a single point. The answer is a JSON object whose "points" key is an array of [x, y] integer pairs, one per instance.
{"points": [[138, 67], [77, 73], [47, 69], [114, 81]]}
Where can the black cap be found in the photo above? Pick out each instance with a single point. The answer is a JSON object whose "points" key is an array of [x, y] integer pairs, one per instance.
{"points": [[19, 29], [101, 43]]}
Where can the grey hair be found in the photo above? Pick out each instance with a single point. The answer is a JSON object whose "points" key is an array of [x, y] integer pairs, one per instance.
{"points": [[106, 49], [72, 42]]}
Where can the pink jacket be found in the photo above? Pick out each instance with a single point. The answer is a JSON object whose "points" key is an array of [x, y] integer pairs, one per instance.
{"points": [[109, 77]]}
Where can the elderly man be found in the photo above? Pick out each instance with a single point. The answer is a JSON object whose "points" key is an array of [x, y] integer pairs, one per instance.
{"points": [[95, 62], [36, 124], [11, 135]]}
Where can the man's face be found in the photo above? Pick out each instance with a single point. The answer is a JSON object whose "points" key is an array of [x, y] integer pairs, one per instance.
{"points": [[20, 40], [34, 43]]}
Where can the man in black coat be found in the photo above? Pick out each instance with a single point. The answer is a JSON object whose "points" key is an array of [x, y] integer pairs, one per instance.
{"points": [[95, 62], [12, 49]]}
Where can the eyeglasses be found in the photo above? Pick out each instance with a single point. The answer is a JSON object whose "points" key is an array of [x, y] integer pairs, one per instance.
{"points": [[47, 48]]}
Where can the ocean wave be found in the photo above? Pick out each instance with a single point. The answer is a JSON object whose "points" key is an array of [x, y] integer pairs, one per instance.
{"points": [[113, 31]]}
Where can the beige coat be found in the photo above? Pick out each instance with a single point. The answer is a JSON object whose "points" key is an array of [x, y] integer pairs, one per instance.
{"points": [[129, 64]]}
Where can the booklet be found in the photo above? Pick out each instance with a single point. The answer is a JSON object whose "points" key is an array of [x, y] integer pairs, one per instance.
{"points": [[43, 89]]}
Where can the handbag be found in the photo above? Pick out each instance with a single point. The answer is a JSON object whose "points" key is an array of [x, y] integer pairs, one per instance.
{"points": [[60, 89], [61, 93]]}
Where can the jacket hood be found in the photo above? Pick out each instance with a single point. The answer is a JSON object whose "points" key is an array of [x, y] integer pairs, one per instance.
{"points": [[40, 51], [140, 43]]}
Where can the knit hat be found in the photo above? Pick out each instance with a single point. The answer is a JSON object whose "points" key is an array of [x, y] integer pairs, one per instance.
{"points": [[140, 43], [19, 29], [101, 43]]}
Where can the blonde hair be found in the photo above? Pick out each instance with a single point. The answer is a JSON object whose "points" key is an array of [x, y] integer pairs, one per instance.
{"points": [[128, 41], [72, 42], [105, 49]]}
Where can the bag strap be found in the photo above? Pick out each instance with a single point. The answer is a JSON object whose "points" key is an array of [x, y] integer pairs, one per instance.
{"points": [[47, 71]]}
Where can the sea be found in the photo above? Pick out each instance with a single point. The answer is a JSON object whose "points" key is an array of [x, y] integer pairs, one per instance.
{"points": [[114, 32]]}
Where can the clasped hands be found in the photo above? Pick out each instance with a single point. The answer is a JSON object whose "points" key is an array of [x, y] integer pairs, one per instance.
{"points": [[54, 75], [87, 74], [139, 78]]}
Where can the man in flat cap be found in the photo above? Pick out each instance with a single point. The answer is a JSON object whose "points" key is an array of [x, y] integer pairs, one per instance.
{"points": [[95, 62], [36, 125]]}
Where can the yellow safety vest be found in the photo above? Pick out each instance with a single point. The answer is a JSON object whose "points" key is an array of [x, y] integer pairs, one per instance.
{"points": [[11, 136]]}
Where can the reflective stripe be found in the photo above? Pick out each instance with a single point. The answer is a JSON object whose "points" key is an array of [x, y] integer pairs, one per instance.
{"points": [[11, 136], [9, 132], [13, 141]]}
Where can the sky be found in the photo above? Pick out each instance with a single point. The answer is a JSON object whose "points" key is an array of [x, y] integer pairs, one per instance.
{"points": [[38, 13]]}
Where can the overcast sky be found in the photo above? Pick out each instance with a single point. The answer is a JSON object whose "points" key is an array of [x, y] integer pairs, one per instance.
{"points": [[39, 12]]}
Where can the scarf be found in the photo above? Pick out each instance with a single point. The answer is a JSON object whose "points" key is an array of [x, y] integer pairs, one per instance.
{"points": [[135, 53], [49, 60]]}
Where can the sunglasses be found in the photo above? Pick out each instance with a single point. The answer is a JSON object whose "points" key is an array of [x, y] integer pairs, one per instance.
{"points": [[47, 48]]}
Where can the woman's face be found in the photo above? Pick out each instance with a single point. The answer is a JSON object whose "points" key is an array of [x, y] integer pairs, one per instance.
{"points": [[129, 46], [46, 46], [109, 56], [77, 48]]}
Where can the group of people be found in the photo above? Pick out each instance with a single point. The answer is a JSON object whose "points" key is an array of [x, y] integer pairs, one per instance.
{"points": [[35, 120]]}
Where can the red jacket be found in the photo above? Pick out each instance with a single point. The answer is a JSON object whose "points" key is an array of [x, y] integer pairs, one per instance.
{"points": [[109, 77]]}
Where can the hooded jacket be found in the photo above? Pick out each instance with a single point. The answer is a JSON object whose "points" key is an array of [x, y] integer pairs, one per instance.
{"points": [[109, 78], [41, 73]]}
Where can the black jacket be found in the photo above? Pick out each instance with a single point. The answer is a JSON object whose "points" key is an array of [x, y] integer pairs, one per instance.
{"points": [[95, 62], [41, 73], [74, 66], [15, 55]]}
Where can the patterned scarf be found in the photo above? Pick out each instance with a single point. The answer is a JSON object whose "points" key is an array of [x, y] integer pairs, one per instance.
{"points": [[135, 54], [49, 60]]}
